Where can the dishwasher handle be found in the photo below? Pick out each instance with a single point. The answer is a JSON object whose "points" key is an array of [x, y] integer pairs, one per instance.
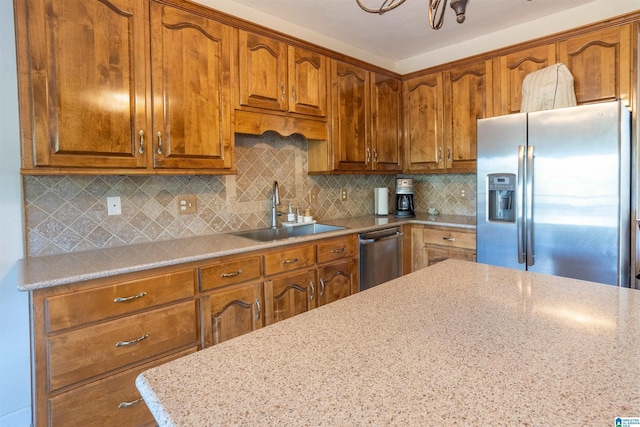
{"points": [[395, 235]]}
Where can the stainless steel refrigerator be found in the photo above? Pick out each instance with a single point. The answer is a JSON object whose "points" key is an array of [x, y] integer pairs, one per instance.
{"points": [[554, 192]]}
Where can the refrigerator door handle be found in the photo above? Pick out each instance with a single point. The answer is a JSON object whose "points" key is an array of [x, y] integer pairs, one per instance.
{"points": [[529, 207], [520, 198]]}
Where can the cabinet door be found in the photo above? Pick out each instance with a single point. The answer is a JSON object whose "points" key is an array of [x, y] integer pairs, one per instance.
{"points": [[510, 71], [336, 281], [191, 90], [351, 117], [386, 114], [423, 123], [289, 295], [468, 97], [262, 72], [230, 313], [307, 82], [600, 63], [85, 100]]}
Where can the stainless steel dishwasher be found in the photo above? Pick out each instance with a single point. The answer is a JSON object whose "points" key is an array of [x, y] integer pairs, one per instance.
{"points": [[380, 256]]}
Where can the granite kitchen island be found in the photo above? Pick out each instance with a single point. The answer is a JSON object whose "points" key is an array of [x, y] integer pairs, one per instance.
{"points": [[457, 343]]}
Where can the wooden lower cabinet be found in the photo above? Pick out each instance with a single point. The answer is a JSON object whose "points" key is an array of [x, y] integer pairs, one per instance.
{"points": [[432, 244], [91, 339], [289, 295], [337, 281], [113, 401], [232, 312]]}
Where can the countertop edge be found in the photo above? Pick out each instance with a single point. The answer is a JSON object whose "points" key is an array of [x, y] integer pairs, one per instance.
{"points": [[34, 273]]}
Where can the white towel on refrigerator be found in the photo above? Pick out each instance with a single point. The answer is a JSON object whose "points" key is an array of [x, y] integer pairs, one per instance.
{"points": [[548, 88]]}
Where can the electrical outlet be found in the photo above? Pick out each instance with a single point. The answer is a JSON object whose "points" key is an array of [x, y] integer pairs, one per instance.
{"points": [[343, 194], [462, 193], [113, 206], [313, 197], [187, 204]]}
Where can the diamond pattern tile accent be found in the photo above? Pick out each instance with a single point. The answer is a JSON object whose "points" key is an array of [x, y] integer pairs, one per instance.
{"points": [[69, 213]]}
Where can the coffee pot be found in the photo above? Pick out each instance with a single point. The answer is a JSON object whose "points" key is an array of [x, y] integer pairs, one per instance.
{"points": [[404, 198]]}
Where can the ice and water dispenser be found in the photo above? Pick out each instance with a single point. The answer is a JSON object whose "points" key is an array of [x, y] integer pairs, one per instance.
{"points": [[502, 197]]}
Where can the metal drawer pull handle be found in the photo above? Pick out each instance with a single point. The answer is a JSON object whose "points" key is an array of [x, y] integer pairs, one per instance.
{"points": [[125, 343], [159, 142], [293, 94], [321, 286], [313, 290], [141, 133], [259, 313], [291, 261], [234, 274], [282, 87], [127, 404], [131, 298], [451, 239], [337, 251]]}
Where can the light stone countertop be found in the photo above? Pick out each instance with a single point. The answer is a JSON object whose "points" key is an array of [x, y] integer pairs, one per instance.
{"points": [[53, 270], [457, 343]]}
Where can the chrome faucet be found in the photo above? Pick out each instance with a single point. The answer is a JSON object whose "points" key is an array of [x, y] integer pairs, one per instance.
{"points": [[274, 205]]}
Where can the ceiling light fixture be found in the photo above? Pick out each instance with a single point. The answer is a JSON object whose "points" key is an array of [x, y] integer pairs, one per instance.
{"points": [[436, 10]]}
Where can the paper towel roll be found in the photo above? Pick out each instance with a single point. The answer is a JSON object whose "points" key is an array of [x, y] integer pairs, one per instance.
{"points": [[381, 201]]}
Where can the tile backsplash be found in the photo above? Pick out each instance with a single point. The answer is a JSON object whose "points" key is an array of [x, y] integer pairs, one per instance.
{"points": [[69, 213]]}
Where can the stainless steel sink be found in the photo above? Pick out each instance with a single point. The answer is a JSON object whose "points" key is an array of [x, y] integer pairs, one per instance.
{"points": [[270, 234]]}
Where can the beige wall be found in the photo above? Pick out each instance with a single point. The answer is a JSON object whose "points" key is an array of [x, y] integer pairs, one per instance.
{"points": [[69, 214]]}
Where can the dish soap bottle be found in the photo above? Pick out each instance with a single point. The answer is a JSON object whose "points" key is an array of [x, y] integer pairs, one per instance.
{"points": [[291, 216]]}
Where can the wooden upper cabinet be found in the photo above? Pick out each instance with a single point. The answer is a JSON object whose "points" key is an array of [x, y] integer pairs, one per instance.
{"points": [[123, 87], [351, 117], [423, 121], [510, 71], [386, 115], [190, 57], [601, 64], [468, 96], [277, 77], [307, 72], [440, 116], [262, 72], [83, 72]]}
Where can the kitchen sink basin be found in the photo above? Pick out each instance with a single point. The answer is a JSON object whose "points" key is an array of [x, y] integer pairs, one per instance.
{"points": [[270, 234]]}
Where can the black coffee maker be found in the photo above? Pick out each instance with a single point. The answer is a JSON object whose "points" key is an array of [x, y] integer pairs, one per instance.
{"points": [[404, 198]]}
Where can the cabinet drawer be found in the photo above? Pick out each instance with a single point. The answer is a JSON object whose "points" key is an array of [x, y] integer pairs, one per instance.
{"points": [[289, 259], [436, 255], [94, 350], [228, 273], [338, 248], [84, 307], [451, 238], [112, 401]]}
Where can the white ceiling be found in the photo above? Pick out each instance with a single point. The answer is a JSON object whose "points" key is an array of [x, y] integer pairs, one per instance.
{"points": [[404, 33]]}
